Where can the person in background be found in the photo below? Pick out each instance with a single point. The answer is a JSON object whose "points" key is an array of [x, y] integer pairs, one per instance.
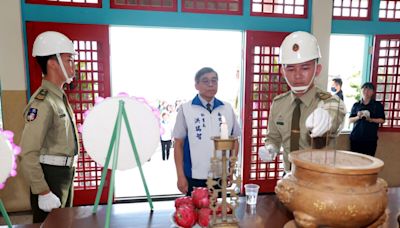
{"points": [[50, 139], [305, 113], [366, 115], [197, 122], [166, 139], [337, 87]]}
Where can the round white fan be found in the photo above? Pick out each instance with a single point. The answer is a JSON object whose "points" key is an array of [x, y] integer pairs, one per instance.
{"points": [[99, 124], [8, 165]]}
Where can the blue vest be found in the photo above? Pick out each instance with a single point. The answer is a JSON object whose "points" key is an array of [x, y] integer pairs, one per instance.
{"points": [[202, 126]]}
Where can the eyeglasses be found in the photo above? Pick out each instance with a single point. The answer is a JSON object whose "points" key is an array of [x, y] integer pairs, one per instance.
{"points": [[206, 81]]}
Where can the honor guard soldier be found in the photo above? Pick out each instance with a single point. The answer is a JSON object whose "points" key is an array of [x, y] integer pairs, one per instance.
{"points": [[50, 140], [305, 111]]}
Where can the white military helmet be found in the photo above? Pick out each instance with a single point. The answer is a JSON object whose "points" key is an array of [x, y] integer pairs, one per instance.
{"points": [[299, 47], [51, 43]]}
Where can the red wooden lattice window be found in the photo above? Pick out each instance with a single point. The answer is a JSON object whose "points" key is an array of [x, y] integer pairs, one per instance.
{"points": [[352, 9], [213, 6], [279, 8], [92, 80], [159, 5], [81, 3], [386, 77], [263, 82], [389, 10]]}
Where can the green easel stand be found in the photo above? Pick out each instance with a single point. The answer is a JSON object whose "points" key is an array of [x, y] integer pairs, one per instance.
{"points": [[5, 215], [114, 144]]}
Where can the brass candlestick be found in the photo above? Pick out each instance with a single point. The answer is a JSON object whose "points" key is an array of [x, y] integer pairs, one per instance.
{"points": [[223, 170]]}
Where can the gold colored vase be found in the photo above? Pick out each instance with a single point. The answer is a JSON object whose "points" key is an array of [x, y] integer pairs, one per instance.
{"points": [[328, 189]]}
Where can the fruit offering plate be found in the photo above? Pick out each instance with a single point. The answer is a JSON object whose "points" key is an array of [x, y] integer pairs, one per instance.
{"points": [[174, 225]]}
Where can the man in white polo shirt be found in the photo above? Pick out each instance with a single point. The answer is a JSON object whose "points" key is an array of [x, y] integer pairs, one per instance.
{"points": [[196, 123]]}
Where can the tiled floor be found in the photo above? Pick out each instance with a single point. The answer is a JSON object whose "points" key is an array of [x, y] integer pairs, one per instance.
{"points": [[160, 177]]}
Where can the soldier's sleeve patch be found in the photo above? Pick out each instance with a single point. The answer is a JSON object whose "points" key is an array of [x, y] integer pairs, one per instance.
{"points": [[32, 114]]}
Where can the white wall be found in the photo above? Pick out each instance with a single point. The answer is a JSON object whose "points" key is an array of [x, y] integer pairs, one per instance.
{"points": [[321, 29], [12, 64]]}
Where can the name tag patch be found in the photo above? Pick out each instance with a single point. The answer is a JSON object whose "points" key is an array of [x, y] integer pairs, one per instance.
{"points": [[280, 120], [32, 114]]}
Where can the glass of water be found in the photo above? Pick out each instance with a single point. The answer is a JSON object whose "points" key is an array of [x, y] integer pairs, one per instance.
{"points": [[251, 191]]}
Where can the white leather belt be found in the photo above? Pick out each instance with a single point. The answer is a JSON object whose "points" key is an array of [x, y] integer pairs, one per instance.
{"points": [[58, 160]]}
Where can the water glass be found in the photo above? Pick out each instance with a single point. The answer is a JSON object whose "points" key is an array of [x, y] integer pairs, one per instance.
{"points": [[251, 191]]}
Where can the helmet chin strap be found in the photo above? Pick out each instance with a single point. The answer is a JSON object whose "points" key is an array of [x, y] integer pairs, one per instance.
{"points": [[68, 80], [300, 89]]}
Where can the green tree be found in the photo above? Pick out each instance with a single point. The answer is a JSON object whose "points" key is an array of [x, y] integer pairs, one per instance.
{"points": [[355, 85]]}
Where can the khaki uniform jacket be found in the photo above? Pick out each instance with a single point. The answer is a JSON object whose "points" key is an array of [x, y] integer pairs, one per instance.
{"points": [[50, 128], [280, 118]]}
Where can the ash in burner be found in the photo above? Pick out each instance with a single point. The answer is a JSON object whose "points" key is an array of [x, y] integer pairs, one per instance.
{"points": [[342, 160]]}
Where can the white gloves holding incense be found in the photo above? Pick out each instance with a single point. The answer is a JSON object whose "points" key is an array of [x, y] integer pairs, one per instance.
{"points": [[318, 122], [268, 152]]}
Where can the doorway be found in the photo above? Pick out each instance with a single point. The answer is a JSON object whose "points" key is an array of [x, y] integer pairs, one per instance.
{"points": [[346, 62], [159, 65]]}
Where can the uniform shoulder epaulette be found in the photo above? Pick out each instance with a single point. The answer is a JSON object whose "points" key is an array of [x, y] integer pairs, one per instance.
{"points": [[42, 94], [323, 95], [281, 95]]}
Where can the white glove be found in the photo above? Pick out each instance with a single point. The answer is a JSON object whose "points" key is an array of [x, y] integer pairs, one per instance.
{"points": [[48, 202], [268, 153], [318, 122]]}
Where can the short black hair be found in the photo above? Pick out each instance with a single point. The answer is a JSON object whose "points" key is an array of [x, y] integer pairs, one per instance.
{"points": [[338, 81], [203, 71], [42, 61], [368, 85]]}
